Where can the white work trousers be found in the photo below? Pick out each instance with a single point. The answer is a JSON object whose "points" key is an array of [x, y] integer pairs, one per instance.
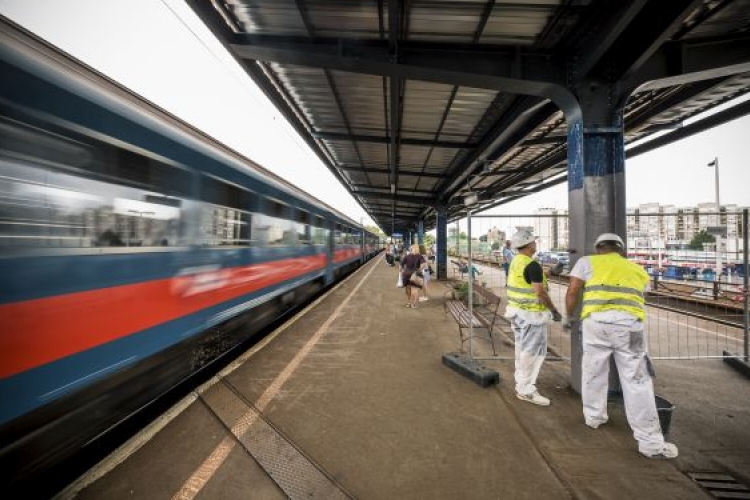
{"points": [[626, 342], [531, 349]]}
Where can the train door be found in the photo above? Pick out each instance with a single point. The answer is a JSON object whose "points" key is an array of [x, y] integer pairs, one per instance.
{"points": [[331, 248]]}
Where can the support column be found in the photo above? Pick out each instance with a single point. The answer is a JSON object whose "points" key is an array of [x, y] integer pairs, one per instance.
{"points": [[596, 188], [420, 233], [442, 243]]}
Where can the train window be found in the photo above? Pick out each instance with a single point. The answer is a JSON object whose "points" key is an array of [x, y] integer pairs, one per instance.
{"points": [[59, 210], [77, 192], [136, 170], [273, 227], [224, 219], [227, 195], [302, 226], [320, 232], [221, 226], [337, 234]]}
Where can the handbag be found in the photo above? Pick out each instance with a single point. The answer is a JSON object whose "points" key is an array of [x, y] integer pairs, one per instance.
{"points": [[399, 282], [416, 279]]}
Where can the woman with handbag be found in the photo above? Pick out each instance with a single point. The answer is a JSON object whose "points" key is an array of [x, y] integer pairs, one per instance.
{"points": [[411, 276]]}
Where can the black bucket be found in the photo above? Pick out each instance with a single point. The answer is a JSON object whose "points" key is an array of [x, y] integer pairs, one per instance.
{"points": [[665, 410]]}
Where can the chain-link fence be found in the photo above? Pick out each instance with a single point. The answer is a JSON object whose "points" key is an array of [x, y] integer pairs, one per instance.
{"points": [[697, 305]]}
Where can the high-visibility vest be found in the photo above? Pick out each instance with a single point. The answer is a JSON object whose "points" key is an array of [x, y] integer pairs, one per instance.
{"points": [[521, 294], [616, 284]]}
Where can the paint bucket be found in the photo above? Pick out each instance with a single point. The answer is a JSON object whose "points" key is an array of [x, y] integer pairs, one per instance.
{"points": [[665, 409]]}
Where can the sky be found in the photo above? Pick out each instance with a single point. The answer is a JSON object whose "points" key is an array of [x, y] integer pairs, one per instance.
{"points": [[162, 51]]}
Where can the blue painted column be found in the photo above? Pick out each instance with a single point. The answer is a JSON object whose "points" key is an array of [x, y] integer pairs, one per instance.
{"points": [[596, 187], [420, 233], [442, 243]]}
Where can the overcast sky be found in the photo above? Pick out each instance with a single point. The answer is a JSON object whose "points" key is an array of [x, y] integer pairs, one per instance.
{"points": [[162, 51]]}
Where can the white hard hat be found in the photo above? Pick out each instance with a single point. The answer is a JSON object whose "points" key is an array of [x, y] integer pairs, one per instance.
{"points": [[522, 238], [609, 237]]}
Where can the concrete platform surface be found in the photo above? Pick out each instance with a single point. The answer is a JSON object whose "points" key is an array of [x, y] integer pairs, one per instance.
{"points": [[350, 400]]}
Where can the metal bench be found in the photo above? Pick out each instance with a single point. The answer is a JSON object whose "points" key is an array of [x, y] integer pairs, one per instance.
{"points": [[485, 314]]}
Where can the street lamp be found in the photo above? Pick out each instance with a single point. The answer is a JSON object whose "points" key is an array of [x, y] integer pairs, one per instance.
{"points": [[715, 164]]}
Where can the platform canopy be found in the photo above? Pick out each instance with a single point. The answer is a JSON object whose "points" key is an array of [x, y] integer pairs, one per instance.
{"points": [[418, 105]]}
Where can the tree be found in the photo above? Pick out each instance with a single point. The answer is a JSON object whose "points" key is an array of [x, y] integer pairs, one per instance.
{"points": [[376, 230], [495, 245], [462, 236], [699, 239]]}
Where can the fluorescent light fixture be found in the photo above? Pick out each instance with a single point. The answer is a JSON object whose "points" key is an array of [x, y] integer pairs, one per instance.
{"points": [[470, 198], [393, 189]]}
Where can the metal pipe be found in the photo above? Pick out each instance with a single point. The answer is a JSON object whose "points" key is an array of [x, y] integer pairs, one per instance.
{"points": [[745, 285], [471, 287], [718, 221]]}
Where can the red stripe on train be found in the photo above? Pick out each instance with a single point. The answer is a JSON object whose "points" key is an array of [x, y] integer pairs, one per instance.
{"points": [[349, 253], [36, 332]]}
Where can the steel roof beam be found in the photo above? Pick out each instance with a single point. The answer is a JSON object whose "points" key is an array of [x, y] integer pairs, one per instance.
{"points": [[592, 50], [714, 120], [334, 136], [527, 72], [654, 24], [386, 191], [679, 63], [420, 200], [402, 173], [508, 131], [394, 90]]}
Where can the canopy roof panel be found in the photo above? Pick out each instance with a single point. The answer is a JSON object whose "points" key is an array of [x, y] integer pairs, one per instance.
{"points": [[412, 103]]}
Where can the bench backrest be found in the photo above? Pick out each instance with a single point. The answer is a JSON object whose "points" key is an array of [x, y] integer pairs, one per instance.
{"points": [[487, 295]]}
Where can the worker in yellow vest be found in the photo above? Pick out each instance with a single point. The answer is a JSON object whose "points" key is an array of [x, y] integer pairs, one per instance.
{"points": [[613, 313], [529, 310]]}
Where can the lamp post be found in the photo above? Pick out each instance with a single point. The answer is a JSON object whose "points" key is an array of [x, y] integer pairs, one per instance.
{"points": [[715, 164]]}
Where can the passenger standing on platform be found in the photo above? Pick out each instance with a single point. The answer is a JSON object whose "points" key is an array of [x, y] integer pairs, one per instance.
{"points": [[613, 314], [426, 273], [529, 310], [507, 258], [410, 264]]}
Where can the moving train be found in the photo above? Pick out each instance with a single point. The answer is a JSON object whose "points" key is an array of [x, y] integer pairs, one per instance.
{"points": [[134, 250]]}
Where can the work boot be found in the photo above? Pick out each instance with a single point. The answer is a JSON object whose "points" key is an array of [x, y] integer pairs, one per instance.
{"points": [[667, 451], [534, 398], [594, 424]]}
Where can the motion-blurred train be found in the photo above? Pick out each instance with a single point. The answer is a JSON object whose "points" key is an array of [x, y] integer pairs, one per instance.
{"points": [[131, 246]]}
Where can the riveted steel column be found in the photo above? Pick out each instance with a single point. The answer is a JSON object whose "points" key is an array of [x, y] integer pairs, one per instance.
{"points": [[596, 188], [420, 233], [442, 243]]}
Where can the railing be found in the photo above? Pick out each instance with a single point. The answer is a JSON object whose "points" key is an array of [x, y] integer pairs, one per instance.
{"points": [[690, 315]]}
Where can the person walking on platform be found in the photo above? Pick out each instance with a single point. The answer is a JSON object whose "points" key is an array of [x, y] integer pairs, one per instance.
{"points": [[410, 264], [507, 258], [529, 310], [613, 314]]}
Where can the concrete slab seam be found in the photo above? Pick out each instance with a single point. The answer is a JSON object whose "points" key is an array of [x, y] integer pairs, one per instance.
{"points": [[200, 477]]}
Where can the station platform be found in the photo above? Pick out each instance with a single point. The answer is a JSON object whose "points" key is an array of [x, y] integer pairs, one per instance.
{"points": [[350, 399]]}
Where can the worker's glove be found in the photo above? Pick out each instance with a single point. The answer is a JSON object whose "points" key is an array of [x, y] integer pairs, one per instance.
{"points": [[556, 316]]}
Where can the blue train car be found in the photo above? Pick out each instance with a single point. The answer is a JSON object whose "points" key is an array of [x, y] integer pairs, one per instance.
{"points": [[131, 245]]}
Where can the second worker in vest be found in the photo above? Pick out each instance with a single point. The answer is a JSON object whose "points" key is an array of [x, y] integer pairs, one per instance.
{"points": [[530, 309], [613, 313]]}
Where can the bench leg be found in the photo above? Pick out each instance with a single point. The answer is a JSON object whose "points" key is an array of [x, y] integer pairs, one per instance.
{"points": [[492, 341]]}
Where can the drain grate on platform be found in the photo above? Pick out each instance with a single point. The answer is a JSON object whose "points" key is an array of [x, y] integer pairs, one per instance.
{"points": [[297, 476], [720, 485]]}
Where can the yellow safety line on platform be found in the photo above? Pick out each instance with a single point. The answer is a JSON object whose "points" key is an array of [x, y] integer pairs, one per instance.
{"points": [[208, 468]]}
